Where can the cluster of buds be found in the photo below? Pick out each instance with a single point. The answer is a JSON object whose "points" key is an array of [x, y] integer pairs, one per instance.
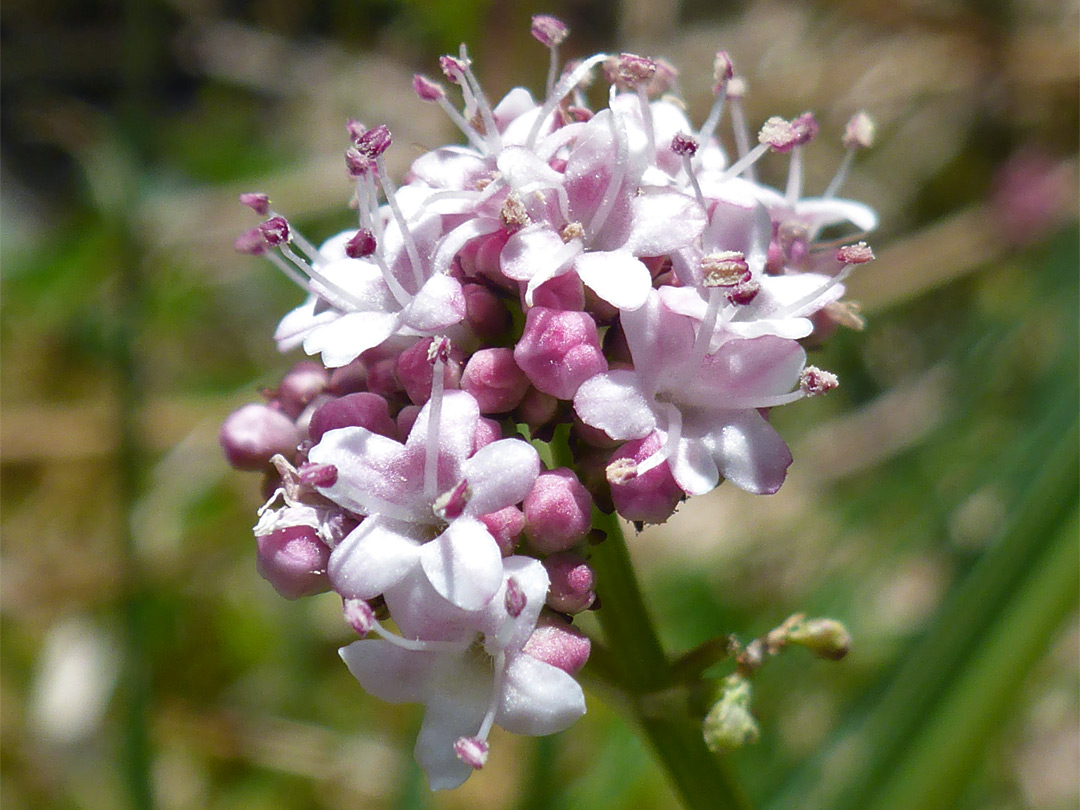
{"points": [[607, 276]]}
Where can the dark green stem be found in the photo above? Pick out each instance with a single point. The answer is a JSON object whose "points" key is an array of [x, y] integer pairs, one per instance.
{"points": [[703, 780]]}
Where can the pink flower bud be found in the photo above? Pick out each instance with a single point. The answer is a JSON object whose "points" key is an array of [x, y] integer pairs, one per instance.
{"points": [[536, 409], [349, 378], [253, 433], [294, 560], [484, 312], [494, 380], [562, 292], [487, 431], [505, 526], [414, 371], [650, 497], [572, 582], [305, 381], [559, 350], [406, 418], [557, 642], [353, 410], [558, 511]]}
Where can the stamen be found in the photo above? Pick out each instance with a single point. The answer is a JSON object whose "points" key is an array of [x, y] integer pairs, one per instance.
{"points": [[472, 751], [496, 695], [318, 475], [438, 353], [480, 100], [621, 471], [566, 84], [257, 202], [791, 309], [550, 32], [723, 72], [251, 242], [735, 91], [674, 436], [686, 147], [724, 269], [451, 504], [359, 616], [859, 253], [806, 129], [433, 91], [858, 134], [390, 191], [618, 173]]}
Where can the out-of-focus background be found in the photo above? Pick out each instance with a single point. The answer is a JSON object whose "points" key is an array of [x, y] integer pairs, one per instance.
{"points": [[932, 505]]}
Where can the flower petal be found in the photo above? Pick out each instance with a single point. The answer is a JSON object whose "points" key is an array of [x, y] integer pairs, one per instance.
{"points": [[388, 671], [456, 707], [500, 475], [373, 557], [616, 276], [538, 698], [464, 564], [439, 304], [616, 403]]}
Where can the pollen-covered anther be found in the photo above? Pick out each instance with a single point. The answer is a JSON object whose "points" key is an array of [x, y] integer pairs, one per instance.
{"points": [[453, 68], [737, 88], [472, 751], [451, 504], [724, 269], [846, 313], [361, 245], [859, 132], [723, 70], [513, 213], [515, 597], [859, 253], [631, 70], [374, 142], [257, 202], [549, 31], [573, 230], [251, 242], [359, 616], [783, 136], [357, 163], [684, 145], [275, 231], [744, 291], [621, 471], [355, 128], [439, 350], [813, 381], [318, 475], [427, 89]]}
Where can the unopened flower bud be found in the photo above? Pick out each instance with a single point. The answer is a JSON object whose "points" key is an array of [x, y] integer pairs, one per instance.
{"points": [[729, 724], [359, 615], [297, 389], [256, 201], [485, 312], [254, 433], [559, 350], [494, 380], [549, 31], [362, 409], [825, 638], [557, 642], [487, 431], [571, 582], [293, 560], [472, 751], [414, 368], [650, 497], [558, 511], [536, 409], [505, 526]]}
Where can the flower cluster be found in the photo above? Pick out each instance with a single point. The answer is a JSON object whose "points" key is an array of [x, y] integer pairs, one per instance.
{"points": [[609, 278]]}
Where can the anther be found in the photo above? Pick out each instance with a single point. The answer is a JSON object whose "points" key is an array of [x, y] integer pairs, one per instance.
{"points": [[859, 253], [257, 202], [781, 135], [451, 504], [572, 231], [515, 597], [684, 145], [724, 269], [472, 751], [621, 471], [439, 350], [859, 132], [513, 214], [359, 616], [744, 292], [723, 71], [361, 245], [374, 142], [549, 31], [813, 381], [630, 70], [252, 242], [427, 89], [318, 475], [453, 68], [275, 231], [358, 164]]}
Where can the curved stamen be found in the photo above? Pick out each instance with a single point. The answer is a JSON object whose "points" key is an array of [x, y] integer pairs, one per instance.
{"points": [[674, 436], [492, 136], [561, 91], [496, 695], [418, 644], [390, 190], [436, 354], [791, 309]]}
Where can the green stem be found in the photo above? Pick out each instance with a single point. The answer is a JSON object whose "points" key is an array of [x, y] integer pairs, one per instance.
{"points": [[703, 780]]}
